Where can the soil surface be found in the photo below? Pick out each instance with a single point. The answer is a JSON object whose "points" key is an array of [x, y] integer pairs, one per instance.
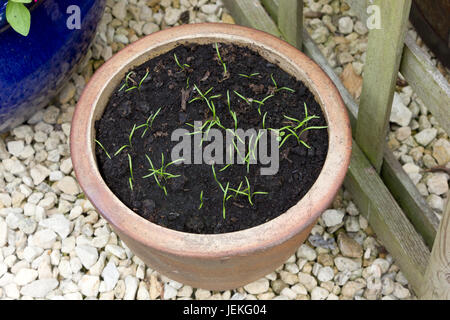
{"points": [[166, 87]]}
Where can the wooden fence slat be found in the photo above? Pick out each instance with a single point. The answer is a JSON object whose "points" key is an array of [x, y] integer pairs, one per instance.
{"points": [[428, 83], [409, 198], [412, 255], [396, 179], [291, 21], [399, 183], [386, 218], [380, 75], [437, 275], [250, 13]]}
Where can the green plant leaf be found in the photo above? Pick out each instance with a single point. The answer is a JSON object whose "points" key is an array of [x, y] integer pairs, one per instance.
{"points": [[18, 16], [21, 1]]}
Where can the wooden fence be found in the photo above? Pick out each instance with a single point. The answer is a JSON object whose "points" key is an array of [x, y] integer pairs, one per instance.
{"points": [[380, 187]]}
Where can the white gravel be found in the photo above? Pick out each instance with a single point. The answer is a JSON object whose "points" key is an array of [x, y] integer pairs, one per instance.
{"points": [[54, 245]]}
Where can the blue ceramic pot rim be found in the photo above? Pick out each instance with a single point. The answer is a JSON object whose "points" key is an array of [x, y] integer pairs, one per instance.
{"points": [[3, 23]]}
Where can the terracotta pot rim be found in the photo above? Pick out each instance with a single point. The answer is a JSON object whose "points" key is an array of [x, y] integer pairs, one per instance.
{"points": [[224, 245]]}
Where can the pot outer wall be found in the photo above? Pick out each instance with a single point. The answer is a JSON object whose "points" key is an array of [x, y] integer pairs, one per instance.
{"points": [[211, 261], [34, 68], [211, 274]]}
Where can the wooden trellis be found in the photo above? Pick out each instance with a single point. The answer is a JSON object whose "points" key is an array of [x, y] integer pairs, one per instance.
{"points": [[380, 187]]}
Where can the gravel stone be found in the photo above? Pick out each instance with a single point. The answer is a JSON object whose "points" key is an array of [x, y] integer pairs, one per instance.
{"points": [[346, 264], [172, 16], [15, 147], [308, 281], [332, 217], [68, 185], [44, 238], [88, 255], [425, 137], [441, 151], [306, 252], [39, 288], [345, 25], [59, 224], [257, 287], [131, 285], [400, 114], [49, 229], [89, 285], [319, 293], [438, 184]]}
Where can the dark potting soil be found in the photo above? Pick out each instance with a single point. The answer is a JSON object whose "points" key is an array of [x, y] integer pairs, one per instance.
{"points": [[165, 87]]}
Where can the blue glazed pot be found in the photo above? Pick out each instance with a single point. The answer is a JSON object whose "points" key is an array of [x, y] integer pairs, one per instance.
{"points": [[34, 68]]}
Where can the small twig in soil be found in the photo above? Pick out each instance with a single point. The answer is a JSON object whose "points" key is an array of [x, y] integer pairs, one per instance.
{"points": [[439, 169]]}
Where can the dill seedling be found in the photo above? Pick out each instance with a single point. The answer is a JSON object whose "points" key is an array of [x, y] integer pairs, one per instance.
{"points": [[261, 103], [249, 76], [143, 79], [128, 78], [264, 121], [248, 192], [182, 66], [208, 101], [251, 194], [231, 160], [161, 173], [149, 123], [129, 145], [101, 146], [131, 179], [201, 200], [242, 97], [225, 199], [225, 71], [294, 130], [250, 100], [215, 178], [282, 88]]}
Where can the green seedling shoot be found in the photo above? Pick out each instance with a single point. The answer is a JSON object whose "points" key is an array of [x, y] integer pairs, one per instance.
{"points": [[282, 88], [129, 145], [182, 66], [101, 146]]}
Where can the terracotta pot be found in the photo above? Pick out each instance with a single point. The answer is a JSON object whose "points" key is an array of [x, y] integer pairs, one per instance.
{"points": [[221, 261]]}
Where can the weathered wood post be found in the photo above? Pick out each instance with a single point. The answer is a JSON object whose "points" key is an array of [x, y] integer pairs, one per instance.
{"points": [[290, 21], [437, 276], [384, 53]]}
